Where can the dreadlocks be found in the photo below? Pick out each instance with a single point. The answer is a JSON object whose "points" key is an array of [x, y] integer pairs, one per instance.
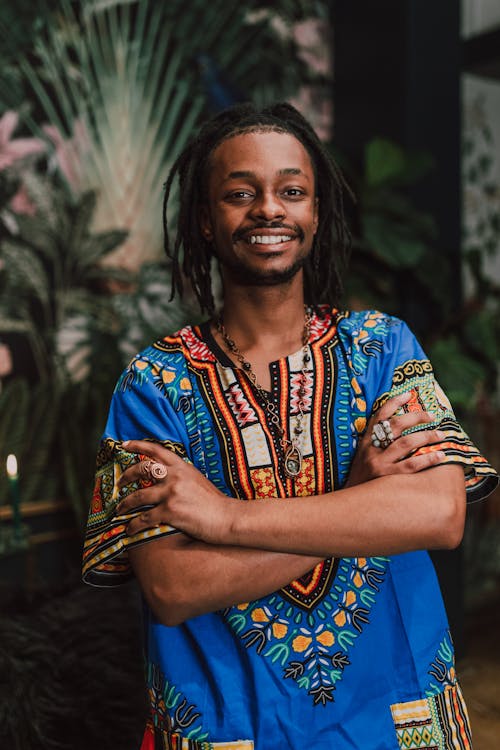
{"points": [[324, 266]]}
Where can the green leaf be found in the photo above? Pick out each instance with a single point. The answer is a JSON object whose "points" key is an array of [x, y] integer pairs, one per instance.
{"points": [[97, 246], [393, 242], [483, 334], [25, 272], [458, 373], [383, 160], [81, 219], [386, 162]]}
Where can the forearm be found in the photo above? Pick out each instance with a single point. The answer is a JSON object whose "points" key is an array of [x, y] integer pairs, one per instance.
{"points": [[387, 515], [182, 578]]}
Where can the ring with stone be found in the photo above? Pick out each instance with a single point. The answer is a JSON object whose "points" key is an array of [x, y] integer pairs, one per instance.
{"points": [[382, 435], [153, 470]]}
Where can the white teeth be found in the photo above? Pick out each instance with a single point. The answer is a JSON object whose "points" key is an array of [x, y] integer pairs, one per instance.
{"points": [[267, 239]]}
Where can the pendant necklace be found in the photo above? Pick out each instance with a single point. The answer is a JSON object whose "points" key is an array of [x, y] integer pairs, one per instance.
{"points": [[291, 451]]}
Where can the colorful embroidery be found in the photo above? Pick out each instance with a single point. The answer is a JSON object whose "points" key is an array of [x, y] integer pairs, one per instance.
{"points": [[155, 739], [416, 377], [312, 637], [104, 555], [436, 723], [367, 333], [175, 722], [170, 709], [442, 670]]}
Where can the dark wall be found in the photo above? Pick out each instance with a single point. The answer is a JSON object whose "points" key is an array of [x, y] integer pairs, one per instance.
{"points": [[397, 75]]}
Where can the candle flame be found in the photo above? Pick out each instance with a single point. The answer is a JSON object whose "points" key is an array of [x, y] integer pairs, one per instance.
{"points": [[12, 466]]}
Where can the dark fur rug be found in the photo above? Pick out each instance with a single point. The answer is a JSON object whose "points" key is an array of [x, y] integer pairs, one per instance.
{"points": [[71, 674]]}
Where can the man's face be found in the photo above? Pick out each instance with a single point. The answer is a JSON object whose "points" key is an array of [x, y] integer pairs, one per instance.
{"points": [[261, 213]]}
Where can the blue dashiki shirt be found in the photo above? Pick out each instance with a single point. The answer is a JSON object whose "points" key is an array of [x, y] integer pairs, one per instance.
{"points": [[355, 655]]}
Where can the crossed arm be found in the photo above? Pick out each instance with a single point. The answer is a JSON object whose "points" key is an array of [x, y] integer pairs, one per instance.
{"points": [[230, 551]]}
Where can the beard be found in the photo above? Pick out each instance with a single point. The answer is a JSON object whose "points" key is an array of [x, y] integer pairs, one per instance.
{"points": [[244, 274]]}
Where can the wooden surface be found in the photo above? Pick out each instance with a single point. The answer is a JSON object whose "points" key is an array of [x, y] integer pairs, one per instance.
{"points": [[38, 508]]}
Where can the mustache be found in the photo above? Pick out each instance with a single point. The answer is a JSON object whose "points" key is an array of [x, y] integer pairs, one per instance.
{"points": [[240, 234]]}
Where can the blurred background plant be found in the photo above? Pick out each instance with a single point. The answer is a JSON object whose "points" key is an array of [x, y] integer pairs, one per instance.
{"points": [[397, 259], [96, 101], [398, 265], [97, 97], [93, 109]]}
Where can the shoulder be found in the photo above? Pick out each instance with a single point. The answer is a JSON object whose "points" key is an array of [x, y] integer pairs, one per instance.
{"points": [[362, 326], [166, 359], [370, 322], [370, 336]]}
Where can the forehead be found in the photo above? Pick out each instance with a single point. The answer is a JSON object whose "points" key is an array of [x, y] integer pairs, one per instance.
{"points": [[263, 151]]}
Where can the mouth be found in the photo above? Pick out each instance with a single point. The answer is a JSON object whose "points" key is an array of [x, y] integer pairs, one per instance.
{"points": [[269, 236], [268, 239]]}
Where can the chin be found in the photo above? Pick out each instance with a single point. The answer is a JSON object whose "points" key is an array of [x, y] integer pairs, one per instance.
{"points": [[247, 275]]}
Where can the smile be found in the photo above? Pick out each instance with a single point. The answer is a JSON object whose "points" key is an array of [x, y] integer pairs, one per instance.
{"points": [[267, 239]]}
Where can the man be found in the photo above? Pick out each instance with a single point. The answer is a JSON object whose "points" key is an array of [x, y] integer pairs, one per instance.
{"points": [[316, 620]]}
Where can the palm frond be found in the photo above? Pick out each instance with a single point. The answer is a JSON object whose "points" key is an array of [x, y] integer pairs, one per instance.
{"points": [[122, 81], [26, 274]]}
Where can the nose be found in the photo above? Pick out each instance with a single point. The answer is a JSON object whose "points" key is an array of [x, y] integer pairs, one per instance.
{"points": [[268, 207]]}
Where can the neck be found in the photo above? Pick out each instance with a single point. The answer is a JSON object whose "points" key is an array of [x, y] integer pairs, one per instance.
{"points": [[257, 315]]}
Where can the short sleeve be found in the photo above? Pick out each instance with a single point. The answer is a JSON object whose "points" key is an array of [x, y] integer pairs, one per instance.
{"points": [[140, 410], [387, 360]]}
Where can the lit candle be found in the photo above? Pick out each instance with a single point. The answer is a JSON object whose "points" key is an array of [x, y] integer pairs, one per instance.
{"points": [[14, 494]]}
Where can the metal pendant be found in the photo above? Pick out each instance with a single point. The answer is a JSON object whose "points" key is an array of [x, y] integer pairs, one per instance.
{"points": [[293, 461]]}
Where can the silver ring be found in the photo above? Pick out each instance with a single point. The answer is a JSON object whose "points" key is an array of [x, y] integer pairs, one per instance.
{"points": [[153, 470], [382, 435]]}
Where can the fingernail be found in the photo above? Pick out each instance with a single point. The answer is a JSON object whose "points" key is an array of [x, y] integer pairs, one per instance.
{"points": [[440, 434], [125, 443], [441, 455]]}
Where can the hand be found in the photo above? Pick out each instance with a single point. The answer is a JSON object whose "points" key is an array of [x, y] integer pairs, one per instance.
{"points": [[184, 499], [370, 462]]}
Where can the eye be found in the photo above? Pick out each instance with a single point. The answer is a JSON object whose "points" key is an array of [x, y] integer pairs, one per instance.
{"points": [[239, 195], [294, 192]]}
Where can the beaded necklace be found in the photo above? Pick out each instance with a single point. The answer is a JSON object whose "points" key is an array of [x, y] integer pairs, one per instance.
{"points": [[292, 461]]}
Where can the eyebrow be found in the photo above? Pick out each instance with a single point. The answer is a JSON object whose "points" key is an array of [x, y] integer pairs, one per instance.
{"points": [[247, 173]]}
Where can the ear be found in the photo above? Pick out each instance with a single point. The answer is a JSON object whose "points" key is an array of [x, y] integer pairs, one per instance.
{"points": [[316, 215], [206, 224]]}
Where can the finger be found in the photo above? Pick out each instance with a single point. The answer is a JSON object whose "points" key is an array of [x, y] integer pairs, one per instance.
{"points": [[406, 421], [148, 519], [147, 496], [390, 406], [148, 448], [414, 464], [138, 473], [406, 444]]}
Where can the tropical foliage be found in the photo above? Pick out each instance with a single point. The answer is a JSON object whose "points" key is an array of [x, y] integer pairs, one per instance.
{"points": [[106, 96], [396, 251], [92, 113], [121, 85]]}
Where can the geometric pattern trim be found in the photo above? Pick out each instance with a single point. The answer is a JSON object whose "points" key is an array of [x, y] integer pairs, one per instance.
{"points": [[416, 377], [105, 558], [157, 739], [436, 723], [174, 723]]}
